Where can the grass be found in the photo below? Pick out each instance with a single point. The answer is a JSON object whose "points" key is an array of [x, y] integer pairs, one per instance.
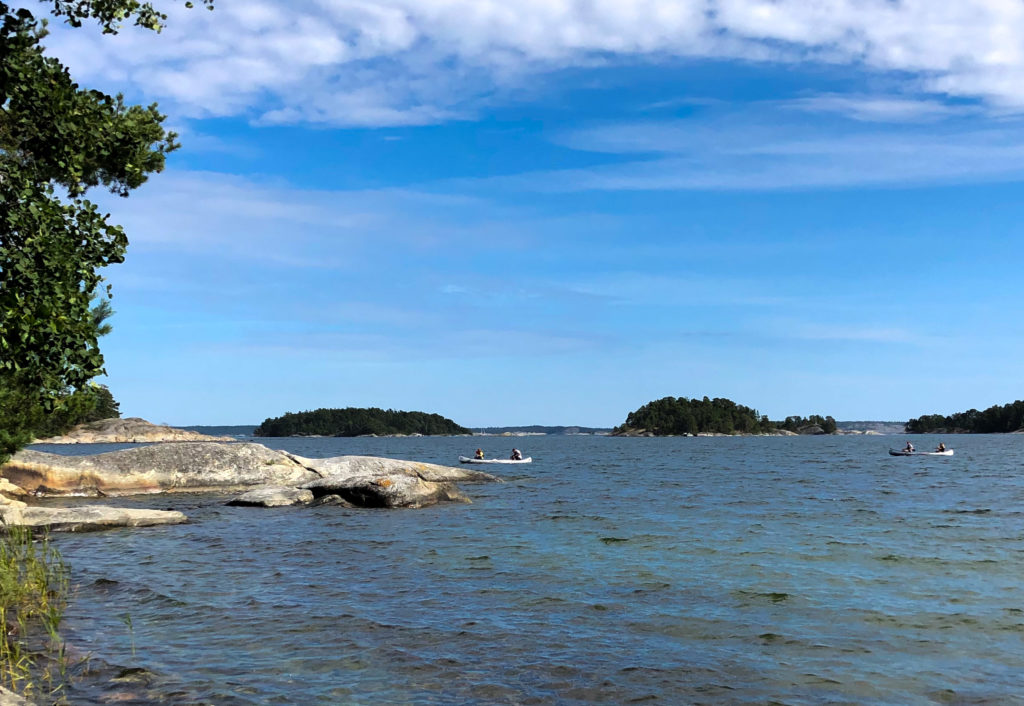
{"points": [[33, 596]]}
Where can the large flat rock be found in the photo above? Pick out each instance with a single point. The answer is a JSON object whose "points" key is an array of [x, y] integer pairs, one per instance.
{"points": [[158, 468], [273, 477], [87, 517], [357, 466]]}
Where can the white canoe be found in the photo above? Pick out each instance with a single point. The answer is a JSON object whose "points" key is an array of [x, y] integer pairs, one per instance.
{"points": [[894, 452], [466, 459]]}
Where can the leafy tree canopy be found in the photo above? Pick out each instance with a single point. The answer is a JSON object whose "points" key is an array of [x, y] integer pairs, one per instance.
{"points": [[57, 141], [358, 421]]}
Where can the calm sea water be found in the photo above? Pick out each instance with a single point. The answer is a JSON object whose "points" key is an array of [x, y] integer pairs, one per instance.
{"points": [[718, 571]]}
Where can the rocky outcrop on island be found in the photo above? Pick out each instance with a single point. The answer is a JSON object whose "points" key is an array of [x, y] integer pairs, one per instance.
{"points": [[130, 430], [628, 431]]}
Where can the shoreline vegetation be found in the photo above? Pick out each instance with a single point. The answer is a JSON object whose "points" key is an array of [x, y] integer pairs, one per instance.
{"points": [[34, 590]]}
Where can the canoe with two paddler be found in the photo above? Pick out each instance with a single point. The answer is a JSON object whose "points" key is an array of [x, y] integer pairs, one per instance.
{"points": [[894, 452], [467, 459]]}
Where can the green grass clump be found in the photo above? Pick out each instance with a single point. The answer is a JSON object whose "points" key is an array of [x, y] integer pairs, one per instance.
{"points": [[33, 597]]}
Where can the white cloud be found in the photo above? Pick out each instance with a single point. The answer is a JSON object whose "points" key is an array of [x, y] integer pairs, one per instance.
{"points": [[400, 62]]}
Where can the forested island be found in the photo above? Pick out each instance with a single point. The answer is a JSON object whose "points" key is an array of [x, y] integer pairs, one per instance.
{"points": [[358, 421], [678, 416], [994, 420]]}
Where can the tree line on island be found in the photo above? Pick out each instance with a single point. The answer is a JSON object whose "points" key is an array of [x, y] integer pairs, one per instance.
{"points": [[678, 416], [358, 421], [996, 419]]}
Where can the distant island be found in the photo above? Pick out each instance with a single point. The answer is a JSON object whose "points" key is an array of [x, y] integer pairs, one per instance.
{"points": [[540, 429], [358, 421], [682, 416], [1008, 418]]}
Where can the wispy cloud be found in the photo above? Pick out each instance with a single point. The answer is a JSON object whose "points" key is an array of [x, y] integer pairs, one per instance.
{"points": [[879, 108], [853, 333], [407, 62], [264, 220], [768, 146]]}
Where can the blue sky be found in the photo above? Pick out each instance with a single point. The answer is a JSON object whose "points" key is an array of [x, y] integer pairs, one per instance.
{"points": [[553, 212]]}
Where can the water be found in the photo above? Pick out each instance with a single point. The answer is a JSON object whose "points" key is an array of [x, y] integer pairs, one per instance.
{"points": [[710, 570]]}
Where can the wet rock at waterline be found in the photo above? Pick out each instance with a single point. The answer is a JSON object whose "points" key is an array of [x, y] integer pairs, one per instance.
{"points": [[396, 490], [9, 698], [87, 518], [273, 496]]}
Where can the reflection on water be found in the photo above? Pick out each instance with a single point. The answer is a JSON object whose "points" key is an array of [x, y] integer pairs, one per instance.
{"points": [[746, 570]]}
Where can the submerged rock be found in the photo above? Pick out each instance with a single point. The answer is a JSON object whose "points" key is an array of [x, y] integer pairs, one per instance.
{"points": [[129, 430], [273, 496], [87, 517], [153, 469]]}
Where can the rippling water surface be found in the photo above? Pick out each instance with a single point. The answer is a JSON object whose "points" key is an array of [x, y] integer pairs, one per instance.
{"points": [[710, 570]]}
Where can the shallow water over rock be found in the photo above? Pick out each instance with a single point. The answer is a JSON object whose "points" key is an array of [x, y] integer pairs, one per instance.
{"points": [[611, 570]]}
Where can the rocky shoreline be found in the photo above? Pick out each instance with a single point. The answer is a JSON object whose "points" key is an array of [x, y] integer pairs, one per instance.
{"points": [[254, 474], [813, 430]]}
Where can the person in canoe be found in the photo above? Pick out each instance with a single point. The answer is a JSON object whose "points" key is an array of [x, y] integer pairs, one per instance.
{"points": [[517, 455], [480, 454], [909, 448], [941, 447]]}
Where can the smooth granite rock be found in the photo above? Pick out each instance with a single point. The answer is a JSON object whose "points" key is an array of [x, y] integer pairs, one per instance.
{"points": [[9, 698], [354, 466], [177, 466], [274, 476], [9, 489], [87, 518], [273, 496], [395, 490], [129, 430]]}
